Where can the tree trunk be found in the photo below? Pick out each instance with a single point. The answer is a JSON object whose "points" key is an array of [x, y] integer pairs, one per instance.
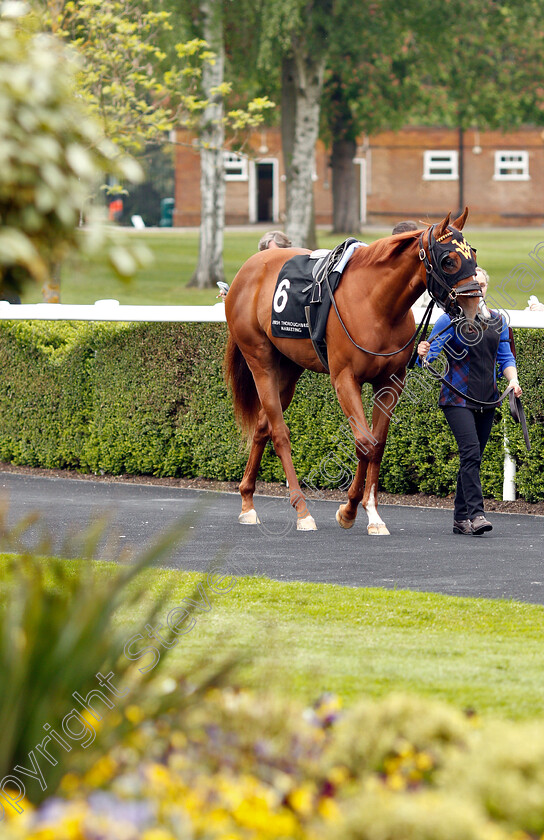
{"points": [[212, 139], [345, 185], [303, 77], [51, 288]]}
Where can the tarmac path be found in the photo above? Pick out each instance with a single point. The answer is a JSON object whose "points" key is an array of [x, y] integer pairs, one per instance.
{"points": [[421, 554]]}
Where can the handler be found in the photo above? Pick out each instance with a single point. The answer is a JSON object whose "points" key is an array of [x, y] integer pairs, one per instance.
{"points": [[473, 349]]}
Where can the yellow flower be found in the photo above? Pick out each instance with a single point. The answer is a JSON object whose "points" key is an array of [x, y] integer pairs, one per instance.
{"points": [[392, 765], [157, 834], [46, 833], [71, 827], [178, 740], [424, 761], [23, 804], [89, 718], [301, 799], [158, 776], [283, 824], [338, 776], [396, 782], [406, 750], [101, 772], [69, 783], [134, 714], [328, 809]]}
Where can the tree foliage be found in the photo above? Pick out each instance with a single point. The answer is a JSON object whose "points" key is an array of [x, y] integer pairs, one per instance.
{"points": [[137, 90], [487, 72], [51, 153]]}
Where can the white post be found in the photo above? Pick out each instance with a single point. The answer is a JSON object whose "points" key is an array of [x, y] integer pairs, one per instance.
{"points": [[509, 478]]}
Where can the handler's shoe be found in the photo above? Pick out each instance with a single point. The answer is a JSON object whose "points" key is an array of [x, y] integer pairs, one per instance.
{"points": [[480, 525], [462, 526]]}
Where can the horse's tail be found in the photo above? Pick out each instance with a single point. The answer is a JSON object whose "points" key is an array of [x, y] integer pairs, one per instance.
{"points": [[244, 393]]}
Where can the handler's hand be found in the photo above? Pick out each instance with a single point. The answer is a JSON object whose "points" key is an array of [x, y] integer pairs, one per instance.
{"points": [[423, 348], [517, 390], [536, 307]]}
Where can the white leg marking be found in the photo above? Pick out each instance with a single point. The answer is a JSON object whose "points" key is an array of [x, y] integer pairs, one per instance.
{"points": [[307, 523], [376, 525], [249, 518]]}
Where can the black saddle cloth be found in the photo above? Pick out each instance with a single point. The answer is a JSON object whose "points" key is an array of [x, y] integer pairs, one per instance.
{"points": [[302, 297]]}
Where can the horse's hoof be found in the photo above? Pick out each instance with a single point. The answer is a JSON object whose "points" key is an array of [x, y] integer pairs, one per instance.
{"points": [[377, 530], [344, 523], [249, 518], [306, 524]]}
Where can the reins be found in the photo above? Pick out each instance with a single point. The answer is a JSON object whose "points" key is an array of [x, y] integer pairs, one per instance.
{"points": [[364, 349], [423, 326]]}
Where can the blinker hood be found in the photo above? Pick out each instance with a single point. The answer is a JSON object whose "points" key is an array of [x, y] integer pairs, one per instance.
{"points": [[440, 282]]}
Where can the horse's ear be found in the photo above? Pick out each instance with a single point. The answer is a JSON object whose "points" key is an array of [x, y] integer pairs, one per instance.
{"points": [[442, 226], [460, 222]]}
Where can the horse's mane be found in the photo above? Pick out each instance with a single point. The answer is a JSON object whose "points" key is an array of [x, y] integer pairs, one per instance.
{"points": [[382, 250]]}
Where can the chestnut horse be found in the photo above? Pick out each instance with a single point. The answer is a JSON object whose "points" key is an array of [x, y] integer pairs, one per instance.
{"points": [[377, 288]]}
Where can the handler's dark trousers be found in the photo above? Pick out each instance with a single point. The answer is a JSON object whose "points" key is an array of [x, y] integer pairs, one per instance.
{"points": [[471, 428]]}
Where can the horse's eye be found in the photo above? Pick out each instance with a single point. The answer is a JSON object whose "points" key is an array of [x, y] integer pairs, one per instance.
{"points": [[450, 263]]}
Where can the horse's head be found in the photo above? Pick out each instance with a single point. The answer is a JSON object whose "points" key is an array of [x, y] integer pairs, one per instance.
{"points": [[450, 262]]}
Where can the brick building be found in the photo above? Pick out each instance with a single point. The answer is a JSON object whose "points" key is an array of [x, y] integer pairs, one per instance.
{"points": [[418, 173]]}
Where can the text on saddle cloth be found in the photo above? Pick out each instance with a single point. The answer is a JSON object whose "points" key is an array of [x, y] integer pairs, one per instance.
{"points": [[299, 285]]}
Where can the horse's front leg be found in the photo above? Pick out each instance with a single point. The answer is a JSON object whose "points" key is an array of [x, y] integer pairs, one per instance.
{"points": [[348, 391], [370, 445], [385, 399]]}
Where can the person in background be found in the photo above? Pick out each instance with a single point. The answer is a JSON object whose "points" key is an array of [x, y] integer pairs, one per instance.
{"points": [[274, 239], [473, 352], [404, 227]]}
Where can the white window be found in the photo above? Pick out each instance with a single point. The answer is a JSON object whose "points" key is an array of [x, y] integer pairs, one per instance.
{"points": [[511, 166], [440, 165], [235, 167]]}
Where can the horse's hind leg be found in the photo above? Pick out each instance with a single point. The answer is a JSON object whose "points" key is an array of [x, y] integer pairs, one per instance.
{"points": [[288, 377], [261, 436], [267, 382]]}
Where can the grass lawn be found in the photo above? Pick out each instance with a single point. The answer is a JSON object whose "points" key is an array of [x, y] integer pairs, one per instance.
{"points": [[176, 254], [303, 639]]}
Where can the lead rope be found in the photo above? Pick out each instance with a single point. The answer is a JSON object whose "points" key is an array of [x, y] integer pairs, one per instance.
{"points": [[438, 375]]}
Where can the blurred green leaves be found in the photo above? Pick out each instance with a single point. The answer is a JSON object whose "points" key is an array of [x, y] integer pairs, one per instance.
{"points": [[52, 155], [59, 632]]}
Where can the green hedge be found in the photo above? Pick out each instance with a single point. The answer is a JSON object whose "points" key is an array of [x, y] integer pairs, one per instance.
{"points": [[150, 399]]}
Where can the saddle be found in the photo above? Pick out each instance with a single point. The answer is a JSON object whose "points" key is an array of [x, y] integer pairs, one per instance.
{"points": [[301, 304]]}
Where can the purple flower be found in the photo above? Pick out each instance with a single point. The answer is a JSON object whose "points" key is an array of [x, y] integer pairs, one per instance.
{"points": [[139, 813]]}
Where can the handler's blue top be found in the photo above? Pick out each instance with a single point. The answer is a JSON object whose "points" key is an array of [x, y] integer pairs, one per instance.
{"points": [[473, 353]]}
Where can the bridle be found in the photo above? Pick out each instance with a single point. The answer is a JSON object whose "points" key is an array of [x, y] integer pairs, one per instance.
{"points": [[471, 286], [440, 284], [440, 289]]}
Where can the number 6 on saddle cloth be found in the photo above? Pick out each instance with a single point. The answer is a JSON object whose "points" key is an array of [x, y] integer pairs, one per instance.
{"points": [[300, 306]]}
